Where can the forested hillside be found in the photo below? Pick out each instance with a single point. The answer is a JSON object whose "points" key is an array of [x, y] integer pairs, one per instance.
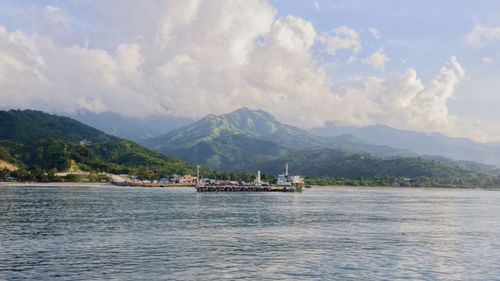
{"points": [[249, 140], [41, 144]]}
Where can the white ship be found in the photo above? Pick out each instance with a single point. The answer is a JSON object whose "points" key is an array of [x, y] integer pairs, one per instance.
{"points": [[287, 179]]}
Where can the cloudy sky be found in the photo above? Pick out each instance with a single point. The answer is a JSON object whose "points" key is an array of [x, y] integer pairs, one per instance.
{"points": [[423, 65]]}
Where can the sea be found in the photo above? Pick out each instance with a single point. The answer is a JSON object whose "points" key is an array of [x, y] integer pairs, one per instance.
{"points": [[323, 233]]}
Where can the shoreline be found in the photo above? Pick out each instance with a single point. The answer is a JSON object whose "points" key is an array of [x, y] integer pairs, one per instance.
{"points": [[57, 184], [407, 187], [80, 184], [108, 184]]}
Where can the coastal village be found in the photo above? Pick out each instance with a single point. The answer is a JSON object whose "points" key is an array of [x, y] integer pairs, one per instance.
{"points": [[285, 183], [180, 180]]}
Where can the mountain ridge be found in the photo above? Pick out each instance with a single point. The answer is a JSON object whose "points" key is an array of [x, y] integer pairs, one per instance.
{"points": [[247, 140], [422, 143], [260, 125]]}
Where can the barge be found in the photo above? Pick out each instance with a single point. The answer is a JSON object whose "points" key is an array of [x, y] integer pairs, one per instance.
{"points": [[247, 188]]}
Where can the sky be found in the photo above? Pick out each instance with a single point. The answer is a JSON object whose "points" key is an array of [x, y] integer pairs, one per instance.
{"points": [[423, 65]]}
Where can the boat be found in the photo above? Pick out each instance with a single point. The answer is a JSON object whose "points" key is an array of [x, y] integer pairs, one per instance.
{"points": [[287, 179]]}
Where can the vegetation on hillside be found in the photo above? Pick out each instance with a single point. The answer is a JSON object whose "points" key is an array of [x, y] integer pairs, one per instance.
{"points": [[247, 141], [42, 144]]}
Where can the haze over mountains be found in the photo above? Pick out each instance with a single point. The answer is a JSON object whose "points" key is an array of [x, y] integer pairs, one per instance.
{"points": [[132, 128], [418, 142]]}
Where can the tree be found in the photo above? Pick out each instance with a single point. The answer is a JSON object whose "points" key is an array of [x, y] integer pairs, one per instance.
{"points": [[4, 174]]}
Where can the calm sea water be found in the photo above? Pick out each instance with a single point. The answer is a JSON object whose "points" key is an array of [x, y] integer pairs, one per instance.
{"points": [[119, 233]]}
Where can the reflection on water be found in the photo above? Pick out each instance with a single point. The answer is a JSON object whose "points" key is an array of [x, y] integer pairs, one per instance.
{"points": [[82, 233]]}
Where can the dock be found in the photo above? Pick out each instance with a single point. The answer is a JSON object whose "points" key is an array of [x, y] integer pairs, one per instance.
{"points": [[247, 188]]}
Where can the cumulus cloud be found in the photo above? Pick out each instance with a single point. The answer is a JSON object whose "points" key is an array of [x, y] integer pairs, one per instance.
{"points": [[192, 58], [377, 60], [316, 5], [481, 35], [486, 60], [403, 100], [340, 38], [55, 23], [375, 33]]}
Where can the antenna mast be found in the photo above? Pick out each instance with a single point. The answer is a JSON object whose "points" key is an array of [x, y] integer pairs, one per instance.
{"points": [[198, 181]]}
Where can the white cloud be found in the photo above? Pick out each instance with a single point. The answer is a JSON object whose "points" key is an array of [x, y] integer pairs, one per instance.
{"points": [[352, 60], [340, 38], [55, 23], [481, 35], [377, 60], [316, 4], [375, 33], [486, 60], [192, 58], [402, 100]]}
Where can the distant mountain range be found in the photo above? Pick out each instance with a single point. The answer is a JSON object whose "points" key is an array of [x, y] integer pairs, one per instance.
{"points": [[417, 142], [132, 128], [247, 140]]}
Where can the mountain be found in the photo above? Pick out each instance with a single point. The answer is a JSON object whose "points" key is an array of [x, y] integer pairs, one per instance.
{"points": [[223, 141], [417, 142], [253, 123], [258, 127], [248, 140], [133, 128], [228, 141], [34, 140]]}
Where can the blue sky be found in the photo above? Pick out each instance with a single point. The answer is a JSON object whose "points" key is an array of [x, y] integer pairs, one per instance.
{"points": [[424, 33], [421, 65]]}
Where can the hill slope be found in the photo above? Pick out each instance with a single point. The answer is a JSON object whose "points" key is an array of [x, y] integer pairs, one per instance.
{"points": [[25, 126], [36, 140]]}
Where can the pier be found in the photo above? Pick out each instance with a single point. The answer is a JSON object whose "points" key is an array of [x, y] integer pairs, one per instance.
{"points": [[249, 188]]}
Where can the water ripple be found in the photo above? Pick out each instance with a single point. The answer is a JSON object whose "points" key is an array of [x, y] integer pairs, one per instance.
{"points": [[119, 233]]}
